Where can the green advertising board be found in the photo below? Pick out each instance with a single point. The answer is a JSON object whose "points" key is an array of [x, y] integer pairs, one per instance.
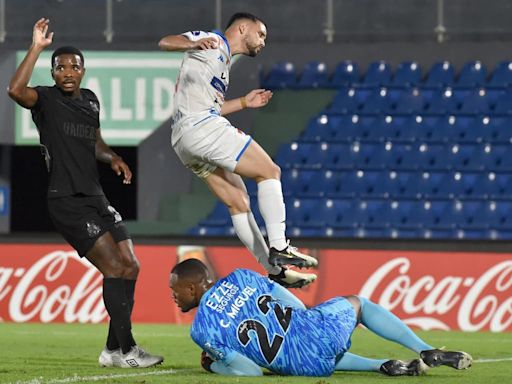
{"points": [[135, 90]]}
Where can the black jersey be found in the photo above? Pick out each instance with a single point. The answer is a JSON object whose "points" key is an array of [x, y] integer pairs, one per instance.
{"points": [[67, 131]]}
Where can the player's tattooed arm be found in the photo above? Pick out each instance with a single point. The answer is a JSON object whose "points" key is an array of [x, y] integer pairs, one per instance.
{"points": [[106, 155], [180, 43], [18, 88]]}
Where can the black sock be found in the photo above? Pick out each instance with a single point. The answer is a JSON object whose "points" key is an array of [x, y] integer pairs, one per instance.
{"points": [[118, 308], [112, 343], [129, 287]]}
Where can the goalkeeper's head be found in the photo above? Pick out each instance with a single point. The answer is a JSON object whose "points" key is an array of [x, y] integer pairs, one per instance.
{"points": [[189, 280]]}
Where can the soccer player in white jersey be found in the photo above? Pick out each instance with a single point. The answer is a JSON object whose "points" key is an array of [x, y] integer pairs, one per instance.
{"points": [[219, 153]]}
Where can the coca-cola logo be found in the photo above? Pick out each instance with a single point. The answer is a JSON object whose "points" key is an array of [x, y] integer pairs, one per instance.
{"points": [[58, 286], [480, 302]]}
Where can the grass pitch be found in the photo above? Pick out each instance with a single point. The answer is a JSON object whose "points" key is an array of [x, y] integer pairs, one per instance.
{"points": [[68, 353]]}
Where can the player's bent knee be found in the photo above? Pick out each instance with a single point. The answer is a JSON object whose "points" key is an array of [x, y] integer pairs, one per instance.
{"points": [[356, 303], [131, 270]]}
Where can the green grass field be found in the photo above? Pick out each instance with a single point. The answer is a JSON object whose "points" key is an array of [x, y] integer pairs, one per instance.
{"points": [[67, 353]]}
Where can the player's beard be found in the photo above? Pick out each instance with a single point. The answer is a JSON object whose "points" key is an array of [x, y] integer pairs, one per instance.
{"points": [[252, 50]]}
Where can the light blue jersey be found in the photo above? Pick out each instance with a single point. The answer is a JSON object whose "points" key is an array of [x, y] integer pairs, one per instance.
{"points": [[246, 321]]}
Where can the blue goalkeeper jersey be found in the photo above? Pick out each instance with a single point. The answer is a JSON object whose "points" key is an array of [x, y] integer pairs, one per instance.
{"points": [[248, 315]]}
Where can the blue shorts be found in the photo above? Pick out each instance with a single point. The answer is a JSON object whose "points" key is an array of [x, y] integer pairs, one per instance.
{"points": [[339, 321]]}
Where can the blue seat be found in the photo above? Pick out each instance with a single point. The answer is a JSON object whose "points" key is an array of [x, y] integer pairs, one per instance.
{"points": [[495, 157], [354, 183], [336, 213], [348, 127], [363, 126], [410, 102], [397, 184], [458, 184], [314, 75], [463, 157], [441, 74], [378, 184], [317, 156], [219, 216], [442, 102], [396, 128], [493, 185], [387, 155], [400, 213], [426, 156], [503, 104], [294, 154], [281, 75], [319, 128], [302, 212], [295, 181], [502, 75], [305, 231], [410, 128], [493, 214], [494, 128], [472, 74], [427, 184], [378, 74], [371, 213], [345, 101], [345, 74], [432, 214], [212, 230], [408, 73], [377, 102], [321, 183], [476, 103], [346, 156]]}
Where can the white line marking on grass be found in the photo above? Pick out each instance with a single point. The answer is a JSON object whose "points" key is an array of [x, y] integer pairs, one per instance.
{"points": [[77, 379], [493, 360]]}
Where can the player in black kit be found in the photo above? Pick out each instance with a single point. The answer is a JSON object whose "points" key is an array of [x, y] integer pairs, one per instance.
{"points": [[67, 118]]}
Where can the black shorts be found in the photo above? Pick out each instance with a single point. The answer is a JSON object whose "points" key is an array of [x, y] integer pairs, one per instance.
{"points": [[83, 219]]}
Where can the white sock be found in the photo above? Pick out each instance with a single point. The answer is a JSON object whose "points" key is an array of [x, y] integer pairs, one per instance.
{"points": [[250, 235], [271, 204]]}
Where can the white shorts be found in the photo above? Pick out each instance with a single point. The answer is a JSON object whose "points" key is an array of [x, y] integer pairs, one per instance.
{"points": [[214, 143]]}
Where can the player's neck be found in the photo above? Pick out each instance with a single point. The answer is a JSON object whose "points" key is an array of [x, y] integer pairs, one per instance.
{"points": [[235, 44]]}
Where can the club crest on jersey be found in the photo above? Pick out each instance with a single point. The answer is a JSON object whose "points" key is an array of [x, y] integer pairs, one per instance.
{"points": [[93, 229], [95, 107], [221, 58]]}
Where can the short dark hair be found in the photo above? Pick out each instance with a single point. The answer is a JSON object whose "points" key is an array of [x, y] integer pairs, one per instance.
{"points": [[191, 269], [67, 50], [243, 15]]}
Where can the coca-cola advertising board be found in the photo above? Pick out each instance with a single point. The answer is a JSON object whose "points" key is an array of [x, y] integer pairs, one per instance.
{"points": [[428, 290]]}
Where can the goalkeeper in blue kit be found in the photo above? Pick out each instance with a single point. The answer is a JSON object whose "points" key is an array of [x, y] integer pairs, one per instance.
{"points": [[246, 322]]}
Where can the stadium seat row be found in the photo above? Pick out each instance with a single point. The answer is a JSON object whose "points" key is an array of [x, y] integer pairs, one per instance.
{"points": [[389, 155], [315, 74], [436, 218], [421, 100], [393, 184], [412, 128]]}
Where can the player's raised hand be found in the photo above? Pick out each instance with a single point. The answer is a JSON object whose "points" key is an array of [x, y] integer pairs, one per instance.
{"points": [[206, 43], [40, 36], [119, 166], [258, 98]]}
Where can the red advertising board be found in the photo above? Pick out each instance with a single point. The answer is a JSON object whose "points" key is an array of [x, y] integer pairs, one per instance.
{"points": [[428, 290]]}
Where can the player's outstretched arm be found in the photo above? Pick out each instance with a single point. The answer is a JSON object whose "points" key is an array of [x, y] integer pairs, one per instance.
{"points": [[180, 43], [106, 155], [257, 98], [18, 89]]}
